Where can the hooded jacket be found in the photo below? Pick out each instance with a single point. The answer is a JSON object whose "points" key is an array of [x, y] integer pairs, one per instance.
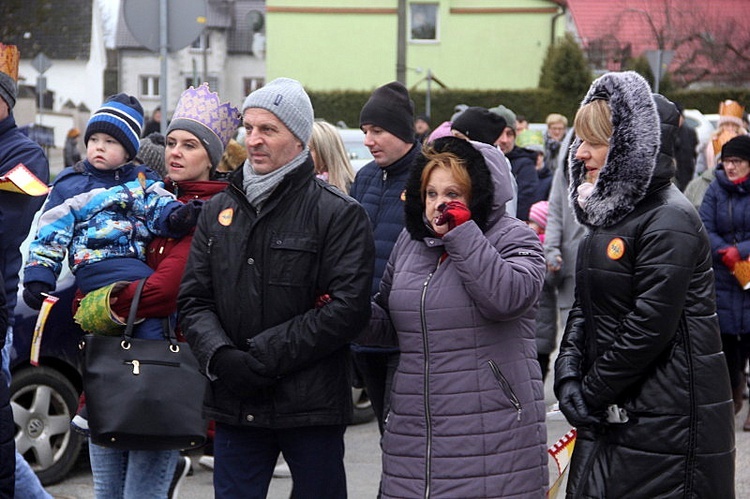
{"points": [[467, 409], [251, 282], [643, 333]]}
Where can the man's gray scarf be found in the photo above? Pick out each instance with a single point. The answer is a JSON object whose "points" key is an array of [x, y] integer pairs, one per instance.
{"points": [[259, 187]]}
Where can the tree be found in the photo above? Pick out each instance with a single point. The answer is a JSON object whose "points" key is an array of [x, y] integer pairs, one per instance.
{"points": [[708, 44], [565, 68]]}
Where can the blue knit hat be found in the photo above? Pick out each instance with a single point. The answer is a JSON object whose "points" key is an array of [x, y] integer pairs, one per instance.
{"points": [[121, 116], [289, 102]]}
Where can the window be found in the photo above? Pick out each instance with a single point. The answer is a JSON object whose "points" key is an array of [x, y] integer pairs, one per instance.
{"points": [[213, 82], [423, 22], [149, 86], [203, 42], [252, 84]]}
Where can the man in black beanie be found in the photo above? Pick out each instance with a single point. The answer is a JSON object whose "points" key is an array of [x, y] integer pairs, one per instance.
{"points": [[387, 119]]}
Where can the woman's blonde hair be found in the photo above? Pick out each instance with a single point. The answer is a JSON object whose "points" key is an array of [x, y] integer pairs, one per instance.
{"points": [[593, 122], [450, 162], [556, 118], [331, 155]]}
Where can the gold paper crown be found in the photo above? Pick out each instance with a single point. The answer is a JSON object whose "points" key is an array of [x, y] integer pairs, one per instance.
{"points": [[202, 105], [9, 56], [731, 111]]}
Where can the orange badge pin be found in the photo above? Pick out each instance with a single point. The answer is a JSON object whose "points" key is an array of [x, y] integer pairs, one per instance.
{"points": [[225, 217], [403, 195], [616, 248]]}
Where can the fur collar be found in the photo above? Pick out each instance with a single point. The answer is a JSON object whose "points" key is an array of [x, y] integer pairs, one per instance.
{"points": [[490, 180], [625, 178]]}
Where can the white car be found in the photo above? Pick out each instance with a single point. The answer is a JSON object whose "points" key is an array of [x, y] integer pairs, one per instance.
{"points": [[701, 123], [354, 142]]}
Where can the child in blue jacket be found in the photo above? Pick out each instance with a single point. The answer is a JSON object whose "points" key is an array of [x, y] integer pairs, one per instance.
{"points": [[103, 212]]}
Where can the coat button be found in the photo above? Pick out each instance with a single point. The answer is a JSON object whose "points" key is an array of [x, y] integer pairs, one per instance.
{"points": [[251, 261], [250, 418]]}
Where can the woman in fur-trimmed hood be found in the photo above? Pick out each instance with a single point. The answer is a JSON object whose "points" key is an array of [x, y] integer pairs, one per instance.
{"points": [[460, 289], [640, 371]]}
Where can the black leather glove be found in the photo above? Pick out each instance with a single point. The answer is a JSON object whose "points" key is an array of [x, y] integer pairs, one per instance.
{"points": [[238, 371], [184, 218], [573, 406], [32, 293]]}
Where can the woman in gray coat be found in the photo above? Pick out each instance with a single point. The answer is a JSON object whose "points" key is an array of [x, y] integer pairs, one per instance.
{"points": [[460, 290]]}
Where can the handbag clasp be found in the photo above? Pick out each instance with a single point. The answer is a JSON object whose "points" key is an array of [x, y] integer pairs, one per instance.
{"points": [[136, 366]]}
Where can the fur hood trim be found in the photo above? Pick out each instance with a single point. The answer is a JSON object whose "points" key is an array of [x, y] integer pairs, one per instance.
{"points": [[633, 149], [490, 180]]}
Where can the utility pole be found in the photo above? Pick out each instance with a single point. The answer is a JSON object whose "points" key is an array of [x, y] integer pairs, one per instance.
{"points": [[401, 43]]}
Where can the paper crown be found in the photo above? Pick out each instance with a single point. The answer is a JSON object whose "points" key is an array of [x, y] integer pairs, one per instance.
{"points": [[731, 112], [202, 105], [9, 56]]}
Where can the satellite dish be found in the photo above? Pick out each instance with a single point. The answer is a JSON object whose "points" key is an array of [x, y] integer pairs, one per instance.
{"points": [[255, 20]]}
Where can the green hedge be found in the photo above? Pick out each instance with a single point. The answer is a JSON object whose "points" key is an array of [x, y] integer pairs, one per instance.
{"points": [[535, 104]]}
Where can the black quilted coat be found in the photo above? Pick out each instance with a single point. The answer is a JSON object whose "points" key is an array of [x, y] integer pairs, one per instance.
{"points": [[643, 333], [7, 428]]}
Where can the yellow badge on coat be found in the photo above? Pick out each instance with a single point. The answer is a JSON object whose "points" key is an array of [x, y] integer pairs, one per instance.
{"points": [[225, 217], [616, 248]]}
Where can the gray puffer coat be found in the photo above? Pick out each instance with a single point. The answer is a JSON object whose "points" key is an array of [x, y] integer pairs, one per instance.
{"points": [[467, 410], [643, 333]]}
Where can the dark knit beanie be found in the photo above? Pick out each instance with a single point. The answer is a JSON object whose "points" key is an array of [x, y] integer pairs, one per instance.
{"points": [[121, 116], [390, 108], [479, 124], [738, 147]]}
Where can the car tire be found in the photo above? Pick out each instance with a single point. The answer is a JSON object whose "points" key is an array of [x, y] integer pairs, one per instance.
{"points": [[363, 412], [43, 402]]}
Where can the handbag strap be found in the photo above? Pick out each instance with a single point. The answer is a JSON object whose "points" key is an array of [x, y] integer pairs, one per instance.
{"points": [[132, 315], [128, 333]]}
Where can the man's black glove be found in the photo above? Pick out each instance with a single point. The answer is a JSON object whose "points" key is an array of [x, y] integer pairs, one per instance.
{"points": [[238, 371], [573, 406], [32, 293], [184, 218]]}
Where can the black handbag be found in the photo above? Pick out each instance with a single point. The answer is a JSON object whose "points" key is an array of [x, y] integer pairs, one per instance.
{"points": [[142, 394]]}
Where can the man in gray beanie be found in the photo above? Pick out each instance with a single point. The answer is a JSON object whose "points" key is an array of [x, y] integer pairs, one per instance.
{"points": [[276, 286]]}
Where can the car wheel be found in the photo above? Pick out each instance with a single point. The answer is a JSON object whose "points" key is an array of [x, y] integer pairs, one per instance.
{"points": [[363, 412], [43, 402]]}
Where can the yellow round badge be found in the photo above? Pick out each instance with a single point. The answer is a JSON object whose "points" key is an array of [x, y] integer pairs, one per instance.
{"points": [[616, 248], [225, 217]]}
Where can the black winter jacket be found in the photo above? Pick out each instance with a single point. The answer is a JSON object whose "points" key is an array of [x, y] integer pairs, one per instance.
{"points": [[251, 282], [7, 427], [643, 333]]}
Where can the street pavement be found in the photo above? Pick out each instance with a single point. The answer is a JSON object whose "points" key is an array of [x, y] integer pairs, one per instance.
{"points": [[363, 465]]}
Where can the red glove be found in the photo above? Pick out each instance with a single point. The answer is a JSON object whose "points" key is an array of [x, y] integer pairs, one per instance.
{"points": [[323, 300], [730, 256], [454, 214]]}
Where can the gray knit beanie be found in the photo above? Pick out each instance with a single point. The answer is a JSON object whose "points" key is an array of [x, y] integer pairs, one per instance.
{"points": [[7, 89], [289, 102], [510, 116], [151, 152]]}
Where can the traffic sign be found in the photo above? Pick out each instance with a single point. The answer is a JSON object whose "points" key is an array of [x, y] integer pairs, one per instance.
{"points": [[185, 22], [41, 62]]}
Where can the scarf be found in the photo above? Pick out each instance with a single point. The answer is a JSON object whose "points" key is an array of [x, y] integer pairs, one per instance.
{"points": [[258, 188]]}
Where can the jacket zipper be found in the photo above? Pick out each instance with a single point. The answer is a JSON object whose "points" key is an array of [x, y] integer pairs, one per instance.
{"points": [[428, 425], [138, 363], [506, 387]]}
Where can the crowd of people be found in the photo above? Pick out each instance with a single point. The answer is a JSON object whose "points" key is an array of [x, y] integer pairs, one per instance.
{"points": [[442, 277]]}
